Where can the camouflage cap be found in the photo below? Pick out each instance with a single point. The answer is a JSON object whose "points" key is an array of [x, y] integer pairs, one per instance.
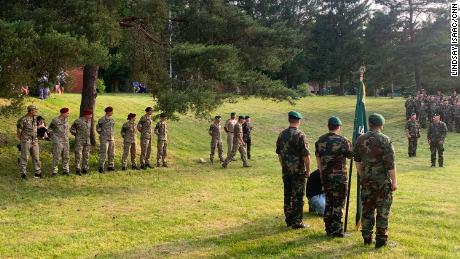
{"points": [[295, 115], [31, 107], [376, 119], [335, 121]]}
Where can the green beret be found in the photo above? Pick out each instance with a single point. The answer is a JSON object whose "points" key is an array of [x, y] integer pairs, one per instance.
{"points": [[335, 121], [217, 117], [376, 119], [295, 115], [241, 117], [247, 117]]}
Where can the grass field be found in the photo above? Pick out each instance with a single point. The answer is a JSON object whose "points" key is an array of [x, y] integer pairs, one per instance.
{"points": [[202, 210]]}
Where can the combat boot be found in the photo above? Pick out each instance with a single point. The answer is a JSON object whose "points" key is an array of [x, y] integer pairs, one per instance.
{"points": [[299, 225], [23, 176], [65, 173], [211, 160], [37, 175], [78, 172], [134, 167], [111, 169], [158, 165], [142, 166], [101, 170], [84, 171], [123, 168], [165, 165], [148, 166], [367, 240], [380, 243]]}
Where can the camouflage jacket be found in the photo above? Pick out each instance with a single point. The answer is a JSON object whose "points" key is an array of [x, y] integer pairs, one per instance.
{"points": [[59, 130], [437, 131], [333, 151], [215, 131], [247, 128], [81, 129], [144, 126], [457, 112], [292, 147], [375, 151], [27, 128], [237, 133], [413, 128], [445, 112], [161, 130], [105, 128], [128, 132]]}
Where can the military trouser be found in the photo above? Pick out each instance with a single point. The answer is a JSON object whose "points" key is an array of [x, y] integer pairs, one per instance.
{"points": [[457, 124], [31, 148], [82, 156], [128, 147], [107, 150], [436, 147], [412, 149], [335, 189], [294, 191], [146, 150], [376, 197], [60, 150], [237, 147], [216, 143], [247, 140], [229, 143], [162, 152], [422, 121]]}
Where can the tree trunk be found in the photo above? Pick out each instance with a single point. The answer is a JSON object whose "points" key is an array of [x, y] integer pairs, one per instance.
{"points": [[417, 75], [89, 94], [321, 87], [342, 85], [392, 90], [116, 85]]}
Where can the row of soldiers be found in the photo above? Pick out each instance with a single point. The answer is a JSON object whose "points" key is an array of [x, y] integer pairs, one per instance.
{"points": [[59, 130], [374, 156], [426, 106]]}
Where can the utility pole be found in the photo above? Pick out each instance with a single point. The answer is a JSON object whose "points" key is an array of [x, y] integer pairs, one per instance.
{"points": [[170, 29]]}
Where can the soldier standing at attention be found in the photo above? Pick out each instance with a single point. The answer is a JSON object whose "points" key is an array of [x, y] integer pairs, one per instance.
{"points": [[238, 144], [128, 132], [436, 134], [105, 128], [81, 129], [332, 151], [457, 116], [145, 128], [374, 156], [27, 134], [446, 113], [412, 134], [228, 127], [216, 140], [59, 132], [247, 128], [294, 156], [161, 130]]}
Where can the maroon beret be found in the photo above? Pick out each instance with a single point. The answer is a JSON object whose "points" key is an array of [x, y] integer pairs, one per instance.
{"points": [[131, 115], [64, 110], [87, 112], [108, 109]]}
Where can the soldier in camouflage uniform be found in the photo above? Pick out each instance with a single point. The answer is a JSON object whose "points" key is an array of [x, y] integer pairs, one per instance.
{"points": [[332, 151], [59, 132], [446, 114], [27, 135], [215, 131], [410, 106], [81, 129], [161, 130], [105, 128], [436, 134], [457, 116], [247, 128], [374, 154], [412, 134], [294, 155], [422, 114], [145, 128], [128, 132], [238, 144]]}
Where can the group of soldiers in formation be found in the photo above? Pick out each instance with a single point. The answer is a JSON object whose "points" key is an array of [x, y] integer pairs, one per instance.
{"points": [[374, 156], [59, 130], [439, 113]]}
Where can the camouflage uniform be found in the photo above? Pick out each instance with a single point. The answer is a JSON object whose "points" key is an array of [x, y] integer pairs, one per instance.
{"points": [[27, 130], [81, 129], [446, 115], [422, 114], [128, 132], [215, 131], [237, 146], [105, 128], [436, 134], [247, 127], [230, 125], [333, 150], [375, 151], [145, 127], [457, 118], [161, 130], [413, 130], [292, 147], [410, 107], [59, 132]]}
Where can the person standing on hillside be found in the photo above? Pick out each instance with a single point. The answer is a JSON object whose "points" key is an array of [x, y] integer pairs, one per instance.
{"points": [[59, 134], [105, 128], [294, 156], [144, 126], [128, 132], [412, 134], [436, 134], [81, 129], [27, 133], [332, 151], [238, 144], [247, 128], [161, 130], [228, 127], [215, 131], [375, 163]]}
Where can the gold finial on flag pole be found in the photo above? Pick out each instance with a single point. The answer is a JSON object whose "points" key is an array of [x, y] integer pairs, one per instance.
{"points": [[362, 70]]}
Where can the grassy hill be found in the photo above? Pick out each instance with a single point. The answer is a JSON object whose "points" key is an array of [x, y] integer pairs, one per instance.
{"points": [[202, 210]]}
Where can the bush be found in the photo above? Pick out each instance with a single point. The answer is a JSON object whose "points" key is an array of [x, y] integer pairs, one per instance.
{"points": [[100, 86]]}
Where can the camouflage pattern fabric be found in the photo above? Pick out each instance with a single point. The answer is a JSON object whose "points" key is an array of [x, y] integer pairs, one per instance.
{"points": [[128, 132], [247, 128], [161, 130], [105, 128], [436, 134], [237, 146], [27, 130], [59, 132], [145, 127], [413, 130], [81, 129], [215, 131]]}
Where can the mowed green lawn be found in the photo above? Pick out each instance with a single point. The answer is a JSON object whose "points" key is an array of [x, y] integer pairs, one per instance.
{"points": [[202, 210]]}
